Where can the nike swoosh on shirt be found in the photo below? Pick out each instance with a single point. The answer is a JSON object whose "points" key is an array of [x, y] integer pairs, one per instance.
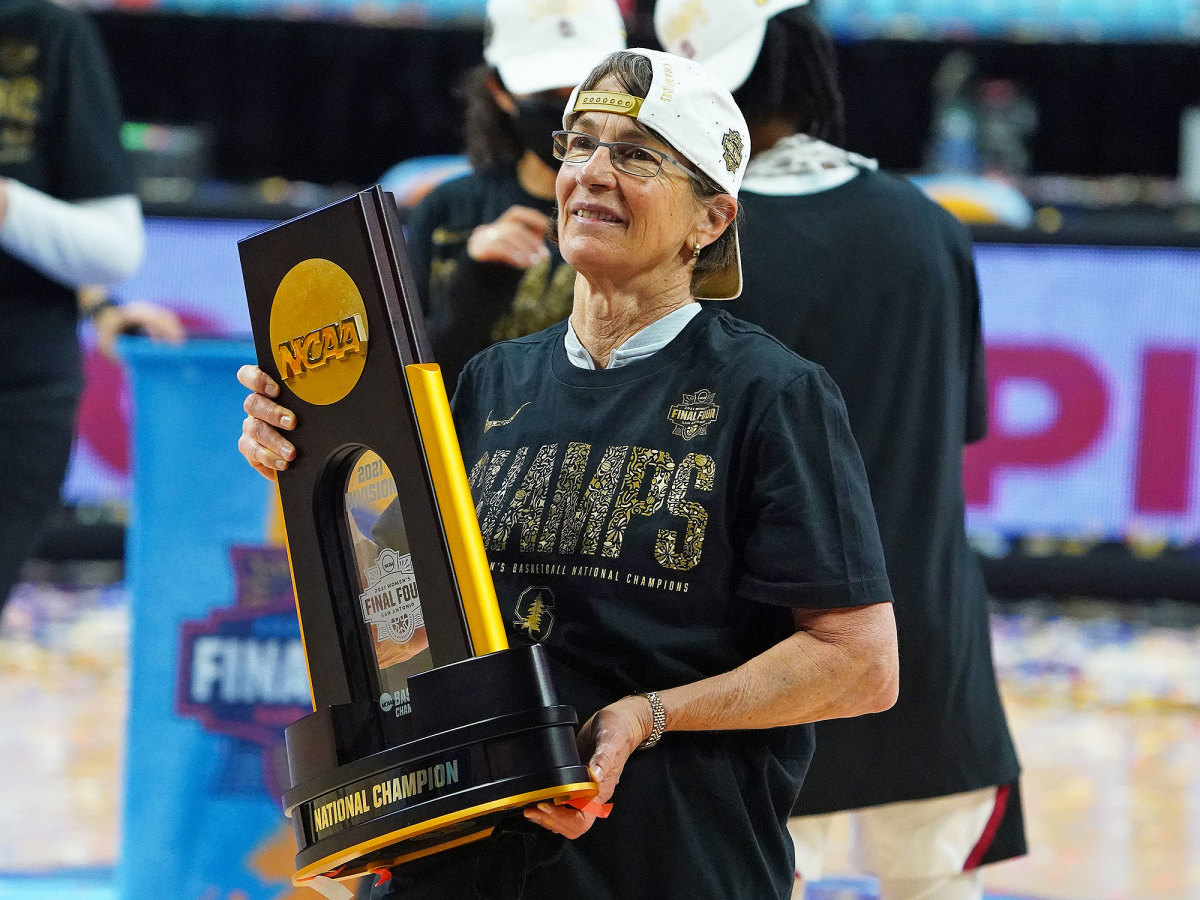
{"points": [[498, 423]]}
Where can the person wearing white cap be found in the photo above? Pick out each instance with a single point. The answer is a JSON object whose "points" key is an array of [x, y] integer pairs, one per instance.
{"points": [[477, 242], [862, 273], [680, 496]]}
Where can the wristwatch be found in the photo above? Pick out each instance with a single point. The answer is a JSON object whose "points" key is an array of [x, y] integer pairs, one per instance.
{"points": [[659, 721]]}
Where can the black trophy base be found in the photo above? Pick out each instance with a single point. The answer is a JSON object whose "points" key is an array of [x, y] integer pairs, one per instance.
{"points": [[484, 736]]}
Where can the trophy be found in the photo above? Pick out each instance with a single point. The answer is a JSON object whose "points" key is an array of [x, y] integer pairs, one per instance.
{"points": [[426, 727]]}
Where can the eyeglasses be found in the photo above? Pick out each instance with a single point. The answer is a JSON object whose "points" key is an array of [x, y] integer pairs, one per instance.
{"points": [[633, 159]]}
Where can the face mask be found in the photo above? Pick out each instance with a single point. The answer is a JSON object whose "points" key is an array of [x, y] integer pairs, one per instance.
{"points": [[535, 121]]}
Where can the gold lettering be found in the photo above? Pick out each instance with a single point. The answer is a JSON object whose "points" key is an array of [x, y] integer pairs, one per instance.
{"points": [[19, 98], [528, 505], [627, 501], [289, 359], [666, 548], [313, 350]]}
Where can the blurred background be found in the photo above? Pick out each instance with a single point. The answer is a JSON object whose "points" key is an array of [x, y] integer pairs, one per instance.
{"points": [[1066, 133]]}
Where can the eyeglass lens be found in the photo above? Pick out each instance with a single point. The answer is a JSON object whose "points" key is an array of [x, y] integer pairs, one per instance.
{"points": [[633, 159]]}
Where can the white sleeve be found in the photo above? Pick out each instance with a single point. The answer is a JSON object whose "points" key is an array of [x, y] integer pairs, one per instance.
{"points": [[98, 242]]}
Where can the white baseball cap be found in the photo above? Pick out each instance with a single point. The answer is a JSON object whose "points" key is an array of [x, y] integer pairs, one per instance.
{"points": [[549, 44], [693, 113], [725, 35]]}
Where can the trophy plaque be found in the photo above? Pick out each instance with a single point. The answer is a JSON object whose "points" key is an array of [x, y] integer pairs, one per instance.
{"points": [[426, 727]]}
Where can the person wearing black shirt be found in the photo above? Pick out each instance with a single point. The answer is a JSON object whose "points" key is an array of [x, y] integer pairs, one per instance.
{"points": [[68, 219], [477, 243], [862, 273], [673, 506]]}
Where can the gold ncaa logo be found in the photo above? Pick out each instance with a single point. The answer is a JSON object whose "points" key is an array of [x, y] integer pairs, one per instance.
{"points": [[319, 331]]}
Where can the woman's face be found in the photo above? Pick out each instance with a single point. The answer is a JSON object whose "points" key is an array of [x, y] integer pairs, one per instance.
{"points": [[613, 226]]}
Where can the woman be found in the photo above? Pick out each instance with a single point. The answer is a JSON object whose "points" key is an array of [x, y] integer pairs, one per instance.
{"points": [[477, 243], [682, 496]]}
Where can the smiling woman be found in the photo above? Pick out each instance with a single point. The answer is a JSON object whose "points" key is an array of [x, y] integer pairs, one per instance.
{"points": [[614, 97], [676, 511]]}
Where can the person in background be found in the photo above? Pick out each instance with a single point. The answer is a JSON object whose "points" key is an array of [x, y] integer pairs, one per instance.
{"points": [[69, 219], [111, 319], [862, 273], [477, 243], [682, 496]]}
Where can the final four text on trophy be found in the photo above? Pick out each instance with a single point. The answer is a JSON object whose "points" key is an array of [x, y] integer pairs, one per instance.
{"points": [[426, 728]]}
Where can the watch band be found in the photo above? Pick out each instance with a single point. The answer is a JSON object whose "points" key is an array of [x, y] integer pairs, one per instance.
{"points": [[659, 714]]}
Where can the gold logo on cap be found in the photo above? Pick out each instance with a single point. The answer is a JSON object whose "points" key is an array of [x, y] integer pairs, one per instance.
{"points": [[608, 101], [732, 143], [319, 331]]}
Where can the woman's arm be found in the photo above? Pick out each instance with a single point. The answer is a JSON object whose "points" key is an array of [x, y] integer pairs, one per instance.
{"points": [[839, 663]]}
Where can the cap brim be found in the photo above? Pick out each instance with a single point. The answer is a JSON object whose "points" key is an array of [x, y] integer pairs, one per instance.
{"points": [[551, 70], [726, 283], [733, 63]]}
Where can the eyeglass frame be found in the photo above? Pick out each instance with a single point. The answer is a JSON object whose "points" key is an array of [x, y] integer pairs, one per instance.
{"points": [[662, 154]]}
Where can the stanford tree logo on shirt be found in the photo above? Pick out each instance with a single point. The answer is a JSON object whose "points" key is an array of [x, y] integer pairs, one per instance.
{"points": [[534, 613]]}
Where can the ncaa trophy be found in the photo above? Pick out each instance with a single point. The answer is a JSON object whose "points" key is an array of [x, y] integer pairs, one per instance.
{"points": [[426, 728]]}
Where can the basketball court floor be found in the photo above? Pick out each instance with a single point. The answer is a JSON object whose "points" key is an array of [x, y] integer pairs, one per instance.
{"points": [[1104, 701]]}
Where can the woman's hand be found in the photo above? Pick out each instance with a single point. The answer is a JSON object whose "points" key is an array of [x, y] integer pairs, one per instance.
{"points": [[264, 447], [517, 239], [606, 739]]}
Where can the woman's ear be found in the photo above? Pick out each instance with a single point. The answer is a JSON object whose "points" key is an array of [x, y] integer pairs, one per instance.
{"points": [[718, 214], [503, 98]]}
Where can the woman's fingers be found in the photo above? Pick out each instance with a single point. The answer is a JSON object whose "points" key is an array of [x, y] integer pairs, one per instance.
{"points": [[565, 820], [257, 380], [255, 454], [259, 407], [263, 445], [260, 443]]}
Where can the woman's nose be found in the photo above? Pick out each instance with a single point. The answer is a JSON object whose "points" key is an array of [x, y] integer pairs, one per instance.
{"points": [[599, 168]]}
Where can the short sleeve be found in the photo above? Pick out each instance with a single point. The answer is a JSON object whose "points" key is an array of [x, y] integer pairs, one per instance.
{"points": [[809, 536], [85, 139]]}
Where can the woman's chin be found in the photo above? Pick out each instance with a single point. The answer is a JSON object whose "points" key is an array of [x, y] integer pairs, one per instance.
{"points": [[586, 251]]}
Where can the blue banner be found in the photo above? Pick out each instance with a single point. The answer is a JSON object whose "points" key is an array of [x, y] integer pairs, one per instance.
{"points": [[217, 667]]}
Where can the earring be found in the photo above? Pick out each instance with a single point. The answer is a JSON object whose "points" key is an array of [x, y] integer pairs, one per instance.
{"points": [[696, 252]]}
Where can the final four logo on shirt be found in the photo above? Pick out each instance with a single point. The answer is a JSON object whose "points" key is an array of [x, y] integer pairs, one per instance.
{"points": [[391, 602], [694, 414], [535, 613]]}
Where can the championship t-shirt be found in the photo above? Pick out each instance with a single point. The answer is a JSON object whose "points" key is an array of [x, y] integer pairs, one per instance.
{"points": [[655, 524]]}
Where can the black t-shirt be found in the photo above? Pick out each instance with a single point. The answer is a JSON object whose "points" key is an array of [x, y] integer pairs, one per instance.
{"points": [[653, 525], [470, 305], [876, 283], [59, 133]]}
